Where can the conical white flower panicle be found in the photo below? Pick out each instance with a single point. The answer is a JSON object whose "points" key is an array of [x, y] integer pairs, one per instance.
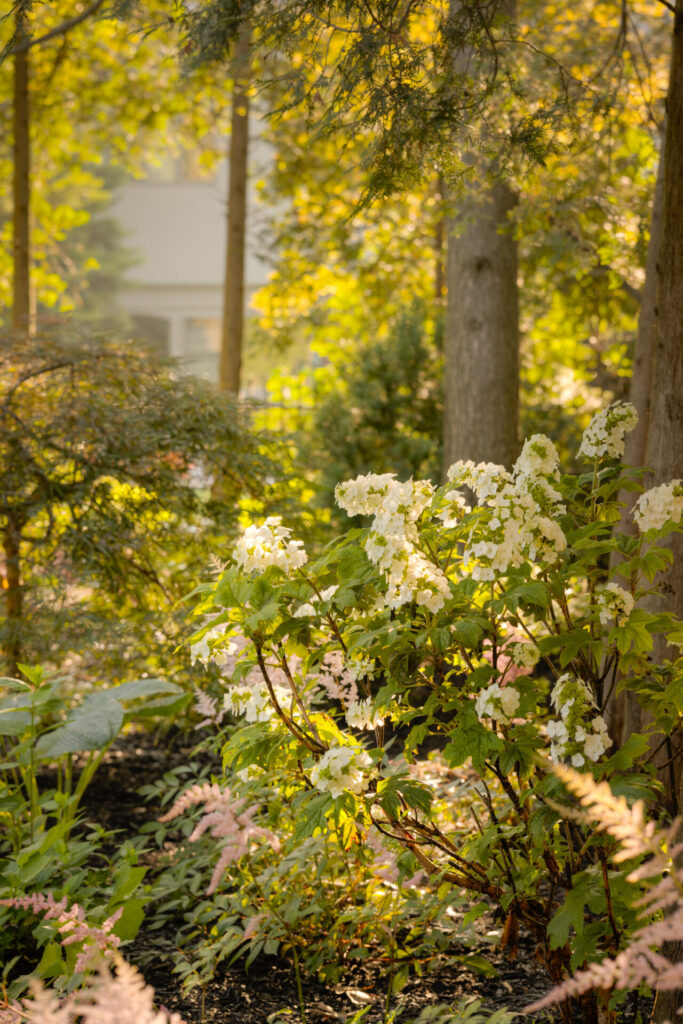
{"points": [[604, 435], [263, 546], [393, 538], [657, 506]]}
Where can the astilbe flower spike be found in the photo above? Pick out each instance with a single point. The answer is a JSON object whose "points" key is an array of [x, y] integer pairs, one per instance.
{"points": [[120, 998], [641, 962], [227, 820], [72, 926]]}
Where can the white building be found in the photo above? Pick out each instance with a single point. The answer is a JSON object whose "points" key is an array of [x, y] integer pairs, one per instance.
{"points": [[175, 220]]}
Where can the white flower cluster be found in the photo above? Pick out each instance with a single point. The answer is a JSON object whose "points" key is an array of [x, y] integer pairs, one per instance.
{"points": [[262, 546], [393, 538], [305, 611], [498, 702], [524, 507], [614, 603], [359, 668], [538, 457], [657, 506], [341, 769], [604, 435], [455, 508], [336, 679], [204, 651], [484, 478], [523, 655], [571, 735], [309, 609], [360, 715], [253, 701]]}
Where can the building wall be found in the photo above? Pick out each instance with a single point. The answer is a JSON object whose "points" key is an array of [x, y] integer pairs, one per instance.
{"points": [[175, 220]]}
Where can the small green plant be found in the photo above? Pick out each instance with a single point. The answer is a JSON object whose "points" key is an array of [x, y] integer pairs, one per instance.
{"points": [[242, 880], [52, 746]]}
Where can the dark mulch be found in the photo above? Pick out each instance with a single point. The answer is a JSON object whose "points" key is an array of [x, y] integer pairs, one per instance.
{"points": [[236, 997], [269, 987]]}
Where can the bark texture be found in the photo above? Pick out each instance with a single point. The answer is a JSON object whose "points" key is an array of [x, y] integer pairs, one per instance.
{"points": [[624, 713], [230, 372], [23, 312], [665, 434], [14, 598], [664, 449], [482, 332]]}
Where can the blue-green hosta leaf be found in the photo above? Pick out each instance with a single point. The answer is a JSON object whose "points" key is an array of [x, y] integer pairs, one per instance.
{"points": [[142, 688], [15, 715], [91, 726]]}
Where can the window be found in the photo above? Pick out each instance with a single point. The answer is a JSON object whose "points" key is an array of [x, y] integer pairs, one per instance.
{"points": [[201, 346]]}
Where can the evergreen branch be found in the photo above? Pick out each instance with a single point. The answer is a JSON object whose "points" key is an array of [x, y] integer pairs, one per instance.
{"points": [[58, 30]]}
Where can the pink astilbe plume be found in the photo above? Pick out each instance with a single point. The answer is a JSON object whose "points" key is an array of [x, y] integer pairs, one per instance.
{"points": [[334, 677], [121, 998], [11, 1013], [227, 820], [71, 924], [642, 961]]}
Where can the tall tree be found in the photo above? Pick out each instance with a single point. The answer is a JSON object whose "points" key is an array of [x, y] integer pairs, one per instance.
{"points": [[23, 295], [481, 341], [230, 369], [481, 384]]}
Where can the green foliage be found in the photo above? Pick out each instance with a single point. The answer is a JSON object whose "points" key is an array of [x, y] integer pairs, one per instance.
{"points": [[321, 895], [396, 77], [493, 633], [46, 847], [99, 508], [373, 405]]}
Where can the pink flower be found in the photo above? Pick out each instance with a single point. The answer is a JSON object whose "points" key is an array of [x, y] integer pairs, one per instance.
{"points": [[227, 820]]}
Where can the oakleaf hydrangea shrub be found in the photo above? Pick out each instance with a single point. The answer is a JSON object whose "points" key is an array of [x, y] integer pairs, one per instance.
{"points": [[480, 617]]}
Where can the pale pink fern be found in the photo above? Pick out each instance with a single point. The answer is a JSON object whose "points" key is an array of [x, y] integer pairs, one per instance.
{"points": [[642, 961], [227, 819], [207, 706], [121, 998]]}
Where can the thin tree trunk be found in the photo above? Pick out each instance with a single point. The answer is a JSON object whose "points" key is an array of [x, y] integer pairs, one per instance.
{"points": [[233, 291], [665, 434], [11, 542], [482, 332], [23, 311], [439, 247]]}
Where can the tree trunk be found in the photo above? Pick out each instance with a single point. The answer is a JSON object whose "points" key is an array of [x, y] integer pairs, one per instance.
{"points": [[439, 275], [664, 451], [23, 311], [624, 713], [481, 419], [665, 434], [233, 291], [641, 380], [11, 543]]}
